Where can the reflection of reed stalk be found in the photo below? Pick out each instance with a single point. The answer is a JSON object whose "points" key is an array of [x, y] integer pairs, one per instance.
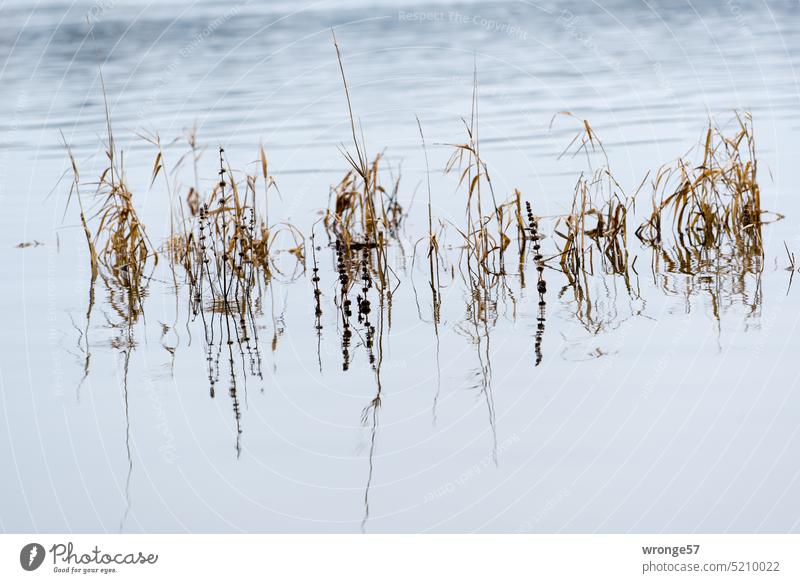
{"points": [[317, 300], [344, 303], [370, 412], [541, 285]]}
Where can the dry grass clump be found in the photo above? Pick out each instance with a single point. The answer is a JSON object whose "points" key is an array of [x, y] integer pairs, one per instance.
{"points": [[229, 252], [361, 211], [706, 220], [120, 252], [484, 235], [226, 231], [121, 237], [363, 214], [124, 246], [120, 244], [364, 218], [597, 220], [594, 226], [490, 222], [717, 197], [594, 235], [592, 238], [486, 240]]}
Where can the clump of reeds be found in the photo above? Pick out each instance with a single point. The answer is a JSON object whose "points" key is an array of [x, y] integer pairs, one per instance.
{"points": [[593, 234], [597, 220], [124, 247], [121, 239], [119, 250], [228, 250], [594, 225], [226, 226], [362, 214], [489, 221], [716, 198], [484, 233]]}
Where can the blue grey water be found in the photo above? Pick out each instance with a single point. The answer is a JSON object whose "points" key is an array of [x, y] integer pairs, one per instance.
{"points": [[674, 409]]}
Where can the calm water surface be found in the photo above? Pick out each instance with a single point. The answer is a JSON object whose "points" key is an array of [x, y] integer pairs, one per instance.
{"points": [[672, 407]]}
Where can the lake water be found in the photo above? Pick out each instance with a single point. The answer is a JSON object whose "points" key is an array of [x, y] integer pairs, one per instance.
{"points": [[672, 407]]}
